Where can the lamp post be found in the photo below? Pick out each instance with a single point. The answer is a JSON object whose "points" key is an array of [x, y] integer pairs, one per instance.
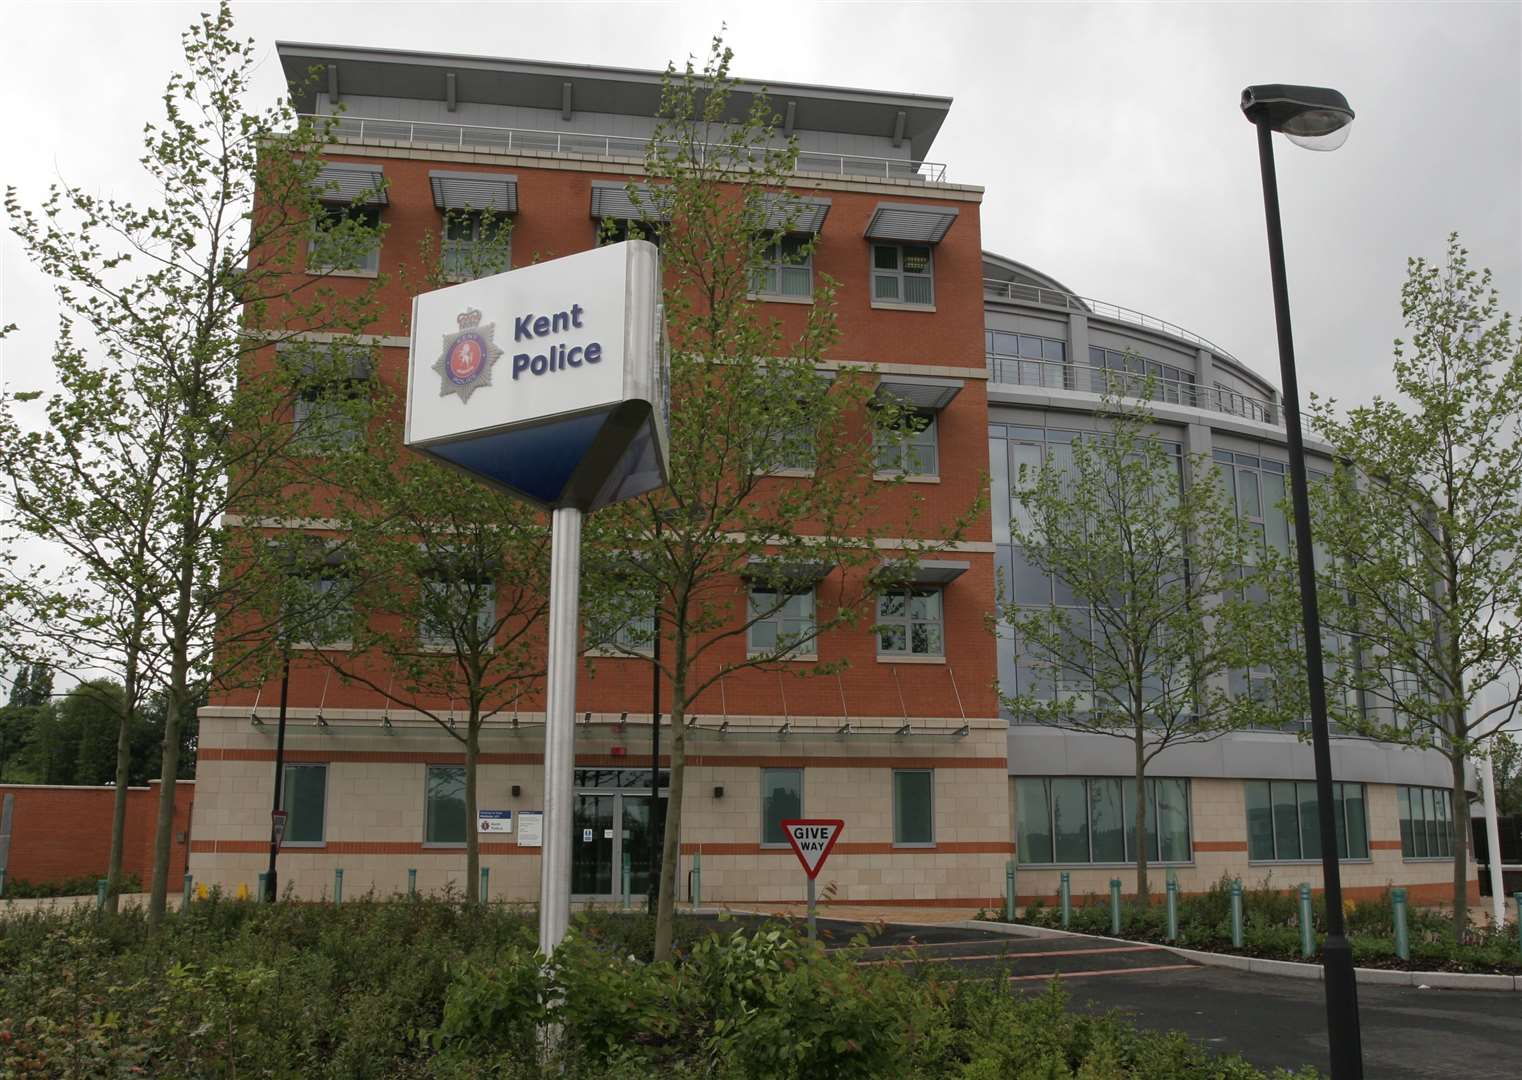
{"points": [[276, 830], [657, 834], [1317, 119]]}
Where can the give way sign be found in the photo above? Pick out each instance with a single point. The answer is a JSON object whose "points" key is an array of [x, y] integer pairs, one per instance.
{"points": [[812, 839]]}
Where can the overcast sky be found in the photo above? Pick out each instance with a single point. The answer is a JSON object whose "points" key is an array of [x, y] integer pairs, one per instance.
{"points": [[1108, 137]]}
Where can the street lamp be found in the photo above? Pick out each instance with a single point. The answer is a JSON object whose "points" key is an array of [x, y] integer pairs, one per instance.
{"points": [[1318, 119]]}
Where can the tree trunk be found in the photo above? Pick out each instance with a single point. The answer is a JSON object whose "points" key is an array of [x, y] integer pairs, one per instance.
{"points": [[123, 772], [472, 838], [179, 667], [1143, 893], [1461, 834], [665, 909]]}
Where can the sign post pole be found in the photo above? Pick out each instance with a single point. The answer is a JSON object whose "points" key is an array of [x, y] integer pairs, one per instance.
{"points": [[812, 840], [560, 727]]}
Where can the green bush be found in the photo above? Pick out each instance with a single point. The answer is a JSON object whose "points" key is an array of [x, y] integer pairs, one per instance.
{"points": [[85, 885], [436, 989], [1271, 928]]}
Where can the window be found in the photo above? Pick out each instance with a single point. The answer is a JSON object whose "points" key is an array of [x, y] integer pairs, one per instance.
{"points": [[476, 244], [617, 230], [1075, 820], [1027, 360], [1426, 822], [320, 606], [781, 799], [303, 796], [331, 393], [910, 447], [903, 274], [909, 623], [782, 616], [1283, 821], [787, 268], [445, 805], [345, 238], [1126, 373], [445, 601], [914, 807]]}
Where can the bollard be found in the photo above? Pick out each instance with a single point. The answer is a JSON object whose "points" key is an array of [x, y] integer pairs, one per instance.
{"points": [[101, 888], [1398, 913], [1172, 908], [1009, 891], [262, 891], [1115, 907], [189, 891], [338, 885], [697, 879], [1307, 935], [485, 877], [411, 884], [1065, 892], [1236, 913]]}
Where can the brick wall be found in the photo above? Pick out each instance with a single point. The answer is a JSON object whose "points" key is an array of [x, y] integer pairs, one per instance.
{"points": [[65, 832]]}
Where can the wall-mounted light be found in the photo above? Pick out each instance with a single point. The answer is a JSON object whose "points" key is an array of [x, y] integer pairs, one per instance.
{"points": [[517, 790], [718, 791]]}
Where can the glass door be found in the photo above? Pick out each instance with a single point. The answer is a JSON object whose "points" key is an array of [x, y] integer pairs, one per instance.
{"points": [[637, 838], [592, 846]]}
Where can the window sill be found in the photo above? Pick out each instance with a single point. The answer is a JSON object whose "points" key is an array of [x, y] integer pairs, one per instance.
{"points": [[930, 846], [910, 659], [332, 646], [805, 474], [303, 845], [1447, 860], [908, 478], [769, 298], [1317, 862], [343, 273], [797, 658], [885, 305], [619, 654], [433, 845]]}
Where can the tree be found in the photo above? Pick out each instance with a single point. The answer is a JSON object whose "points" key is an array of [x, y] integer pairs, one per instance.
{"points": [[167, 306], [1155, 604], [31, 693], [747, 402], [1423, 526], [448, 578]]}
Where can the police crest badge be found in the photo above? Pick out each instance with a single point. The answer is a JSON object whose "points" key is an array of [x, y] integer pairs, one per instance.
{"points": [[468, 356]]}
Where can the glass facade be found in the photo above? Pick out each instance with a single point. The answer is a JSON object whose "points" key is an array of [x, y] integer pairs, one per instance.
{"points": [[1076, 820], [1426, 822], [1284, 823]]}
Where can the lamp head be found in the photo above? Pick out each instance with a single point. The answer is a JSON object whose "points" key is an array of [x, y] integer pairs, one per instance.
{"points": [[1315, 117]]}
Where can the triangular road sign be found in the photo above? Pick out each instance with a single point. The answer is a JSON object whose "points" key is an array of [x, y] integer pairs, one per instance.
{"points": [[812, 839]]}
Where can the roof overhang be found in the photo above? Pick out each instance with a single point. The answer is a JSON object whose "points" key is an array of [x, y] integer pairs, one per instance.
{"points": [[401, 73], [930, 392], [911, 223]]}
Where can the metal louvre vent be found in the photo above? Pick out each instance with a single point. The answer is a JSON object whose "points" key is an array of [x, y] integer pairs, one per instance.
{"points": [[911, 224], [342, 182], [924, 572], [796, 215], [776, 572], [919, 391], [497, 192], [613, 201]]}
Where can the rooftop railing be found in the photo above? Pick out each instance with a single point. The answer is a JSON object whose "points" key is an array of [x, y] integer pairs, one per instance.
{"points": [[1062, 375], [435, 135], [1035, 294]]}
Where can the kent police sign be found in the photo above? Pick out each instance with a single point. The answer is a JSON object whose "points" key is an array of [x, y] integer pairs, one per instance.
{"points": [[547, 381]]}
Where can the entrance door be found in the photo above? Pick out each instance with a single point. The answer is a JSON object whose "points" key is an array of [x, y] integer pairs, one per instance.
{"points": [[592, 844], [637, 839]]}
